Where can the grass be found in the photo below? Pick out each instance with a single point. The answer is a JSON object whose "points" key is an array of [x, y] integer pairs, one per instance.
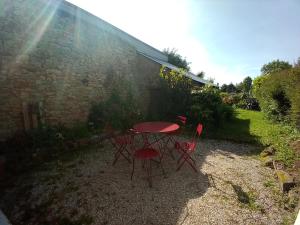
{"points": [[251, 127], [269, 183]]}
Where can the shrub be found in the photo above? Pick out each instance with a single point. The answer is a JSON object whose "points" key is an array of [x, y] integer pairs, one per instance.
{"points": [[175, 92], [230, 98], [240, 100], [119, 112], [50, 136], [207, 107], [279, 95]]}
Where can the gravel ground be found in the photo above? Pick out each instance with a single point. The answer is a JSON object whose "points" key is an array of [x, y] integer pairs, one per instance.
{"points": [[231, 187]]}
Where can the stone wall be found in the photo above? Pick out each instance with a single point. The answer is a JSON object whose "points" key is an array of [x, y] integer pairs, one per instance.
{"points": [[61, 63]]}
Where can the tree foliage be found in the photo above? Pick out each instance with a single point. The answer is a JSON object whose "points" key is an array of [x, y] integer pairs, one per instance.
{"points": [[207, 107], [176, 92], [176, 59], [204, 105], [279, 95], [275, 66], [229, 88], [247, 84], [201, 74]]}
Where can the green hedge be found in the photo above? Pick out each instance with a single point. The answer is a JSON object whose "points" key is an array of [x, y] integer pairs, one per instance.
{"points": [[279, 95], [207, 107]]}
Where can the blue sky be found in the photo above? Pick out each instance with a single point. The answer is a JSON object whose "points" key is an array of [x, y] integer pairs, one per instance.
{"points": [[227, 39]]}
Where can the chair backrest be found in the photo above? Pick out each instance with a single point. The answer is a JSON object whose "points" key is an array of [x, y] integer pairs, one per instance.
{"points": [[182, 119], [192, 144], [199, 129], [198, 132]]}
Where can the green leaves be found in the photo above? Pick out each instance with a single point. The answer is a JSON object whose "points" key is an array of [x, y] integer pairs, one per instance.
{"points": [[176, 59], [279, 95], [275, 66]]}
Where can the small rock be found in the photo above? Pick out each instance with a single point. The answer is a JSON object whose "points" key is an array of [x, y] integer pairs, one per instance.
{"points": [[267, 151], [286, 181], [268, 161]]}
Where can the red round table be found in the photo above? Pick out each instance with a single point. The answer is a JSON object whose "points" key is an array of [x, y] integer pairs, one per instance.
{"points": [[148, 152], [156, 127]]}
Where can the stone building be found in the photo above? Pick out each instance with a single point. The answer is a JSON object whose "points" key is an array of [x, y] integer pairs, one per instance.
{"points": [[57, 59]]}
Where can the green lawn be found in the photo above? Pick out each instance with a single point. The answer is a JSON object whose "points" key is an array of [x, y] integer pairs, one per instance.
{"points": [[251, 127]]}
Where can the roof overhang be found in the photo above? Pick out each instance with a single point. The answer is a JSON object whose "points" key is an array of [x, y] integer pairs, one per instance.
{"points": [[172, 67]]}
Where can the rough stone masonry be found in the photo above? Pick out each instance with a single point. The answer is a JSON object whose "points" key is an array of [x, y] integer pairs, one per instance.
{"points": [[56, 59]]}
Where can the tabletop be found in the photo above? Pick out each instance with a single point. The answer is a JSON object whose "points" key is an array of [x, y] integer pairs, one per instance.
{"points": [[156, 127]]}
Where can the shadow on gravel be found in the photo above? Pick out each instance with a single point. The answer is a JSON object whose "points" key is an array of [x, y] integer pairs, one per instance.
{"points": [[106, 194]]}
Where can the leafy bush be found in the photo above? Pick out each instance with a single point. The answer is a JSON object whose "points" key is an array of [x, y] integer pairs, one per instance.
{"points": [[240, 100], [279, 95], [44, 137], [207, 107], [28, 148], [49, 136], [230, 99], [119, 112], [248, 103], [176, 92]]}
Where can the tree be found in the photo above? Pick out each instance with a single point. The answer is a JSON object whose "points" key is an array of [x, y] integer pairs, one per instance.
{"points": [[275, 66], [224, 88], [247, 84], [297, 64], [231, 88], [176, 59], [201, 74]]}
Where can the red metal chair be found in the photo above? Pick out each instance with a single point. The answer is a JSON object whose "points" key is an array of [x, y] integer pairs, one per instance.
{"points": [[124, 145], [172, 136], [187, 148], [147, 154]]}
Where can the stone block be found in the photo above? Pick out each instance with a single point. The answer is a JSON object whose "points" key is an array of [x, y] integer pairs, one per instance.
{"points": [[286, 181], [268, 161], [267, 151]]}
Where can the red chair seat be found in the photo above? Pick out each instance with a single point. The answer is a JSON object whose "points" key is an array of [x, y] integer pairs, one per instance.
{"points": [[146, 153]]}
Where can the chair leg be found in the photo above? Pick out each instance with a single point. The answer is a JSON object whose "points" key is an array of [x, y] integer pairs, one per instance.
{"points": [[145, 140], [162, 169], [117, 156], [119, 153], [190, 161], [194, 168], [169, 140], [150, 174], [181, 164], [181, 157], [143, 164], [132, 168]]}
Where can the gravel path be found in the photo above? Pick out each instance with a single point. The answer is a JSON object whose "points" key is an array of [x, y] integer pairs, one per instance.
{"points": [[231, 187]]}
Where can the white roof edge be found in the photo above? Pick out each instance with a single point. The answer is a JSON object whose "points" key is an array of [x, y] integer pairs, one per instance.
{"points": [[171, 66]]}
